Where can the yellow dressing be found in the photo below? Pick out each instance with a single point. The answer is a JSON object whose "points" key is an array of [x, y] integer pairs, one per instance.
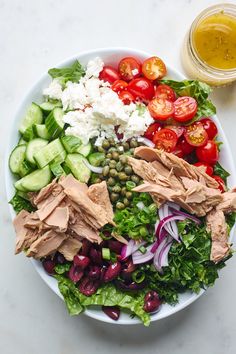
{"points": [[214, 40]]}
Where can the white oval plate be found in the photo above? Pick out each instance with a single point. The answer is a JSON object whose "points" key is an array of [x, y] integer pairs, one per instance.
{"points": [[110, 56]]}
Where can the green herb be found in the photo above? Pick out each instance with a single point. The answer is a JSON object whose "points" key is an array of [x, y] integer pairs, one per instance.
{"points": [[220, 171], [196, 89], [138, 276], [72, 73], [18, 203], [106, 295], [62, 268]]}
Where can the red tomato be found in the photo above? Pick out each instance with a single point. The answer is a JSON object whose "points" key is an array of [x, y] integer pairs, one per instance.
{"points": [[221, 183], [208, 168], [119, 85], [196, 135], [109, 74], [166, 92], [141, 88], [208, 153], [209, 127], [178, 151], [129, 68], [154, 68], [165, 139], [161, 109], [177, 129], [151, 130], [126, 97], [185, 108], [184, 146]]}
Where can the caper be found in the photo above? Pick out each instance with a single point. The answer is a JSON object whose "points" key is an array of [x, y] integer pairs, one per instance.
{"points": [[122, 183], [123, 159], [113, 172], [100, 149], [129, 195], [97, 180], [128, 170], [109, 155], [120, 205], [105, 171], [105, 144], [131, 151], [120, 149], [116, 189], [126, 201], [105, 162], [122, 176], [133, 143], [115, 155], [112, 149], [123, 191], [114, 197], [125, 146], [111, 141], [119, 166], [111, 181], [135, 179], [112, 164]]}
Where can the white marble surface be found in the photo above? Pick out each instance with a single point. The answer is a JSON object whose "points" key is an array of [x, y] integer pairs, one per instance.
{"points": [[34, 35]]}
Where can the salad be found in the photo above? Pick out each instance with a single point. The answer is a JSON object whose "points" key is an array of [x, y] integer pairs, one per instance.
{"points": [[119, 192]]}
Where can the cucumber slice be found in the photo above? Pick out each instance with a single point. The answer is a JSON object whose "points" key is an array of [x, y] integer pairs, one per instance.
{"points": [[54, 122], [33, 147], [71, 143], [41, 131], [77, 167], [96, 158], [16, 158], [25, 168], [29, 134], [35, 180], [54, 151], [23, 195], [85, 150], [34, 115], [22, 142], [66, 169], [57, 170], [49, 106]]}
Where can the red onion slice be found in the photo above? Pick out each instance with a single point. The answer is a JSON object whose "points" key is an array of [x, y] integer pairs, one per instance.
{"points": [[186, 215], [161, 256], [167, 219], [139, 257], [130, 248], [146, 142], [92, 168], [164, 234]]}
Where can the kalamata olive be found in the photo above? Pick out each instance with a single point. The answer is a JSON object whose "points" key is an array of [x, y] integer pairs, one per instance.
{"points": [[49, 265], [81, 261], [94, 272], [130, 286], [86, 245], [95, 256], [115, 246], [112, 311], [112, 272], [127, 269], [59, 258], [103, 271], [75, 273], [151, 301], [88, 286]]}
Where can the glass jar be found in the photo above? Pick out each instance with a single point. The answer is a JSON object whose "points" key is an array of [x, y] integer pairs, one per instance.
{"points": [[194, 64]]}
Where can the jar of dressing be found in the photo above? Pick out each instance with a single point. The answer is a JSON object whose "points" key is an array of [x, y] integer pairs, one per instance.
{"points": [[209, 50]]}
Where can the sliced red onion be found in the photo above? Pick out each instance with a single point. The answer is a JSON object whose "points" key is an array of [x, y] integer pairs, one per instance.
{"points": [[146, 142], [167, 219], [171, 227], [130, 248], [140, 205], [173, 205], [139, 257], [186, 215], [92, 168], [161, 256], [163, 235]]}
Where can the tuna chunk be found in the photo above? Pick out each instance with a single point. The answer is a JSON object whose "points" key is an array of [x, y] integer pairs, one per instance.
{"points": [[49, 205], [58, 219], [228, 204], [98, 193], [69, 248], [217, 226], [70, 182], [24, 236], [45, 245], [83, 230]]}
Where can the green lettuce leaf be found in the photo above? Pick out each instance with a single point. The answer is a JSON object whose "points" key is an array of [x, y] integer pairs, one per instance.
{"points": [[72, 73], [20, 203], [107, 295], [220, 171]]}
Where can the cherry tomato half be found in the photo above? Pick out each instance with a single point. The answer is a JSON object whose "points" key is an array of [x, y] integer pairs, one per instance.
{"points": [[195, 134], [109, 74], [185, 108], [209, 127], [177, 129], [165, 139], [221, 183], [208, 169], [151, 130], [184, 146], [119, 85], [126, 97], [166, 92], [161, 109], [141, 88], [208, 153], [129, 68], [154, 68]]}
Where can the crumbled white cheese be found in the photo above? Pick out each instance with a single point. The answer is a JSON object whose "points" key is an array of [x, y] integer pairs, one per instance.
{"points": [[74, 96], [54, 90], [94, 67]]}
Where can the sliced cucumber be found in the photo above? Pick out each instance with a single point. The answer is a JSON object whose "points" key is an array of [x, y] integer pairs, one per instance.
{"points": [[25, 168], [57, 170], [54, 150], [41, 131], [85, 150], [96, 158], [16, 158], [29, 134], [75, 162], [66, 168], [34, 115], [22, 142], [54, 122], [49, 106], [71, 143], [23, 195], [35, 180], [33, 147]]}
